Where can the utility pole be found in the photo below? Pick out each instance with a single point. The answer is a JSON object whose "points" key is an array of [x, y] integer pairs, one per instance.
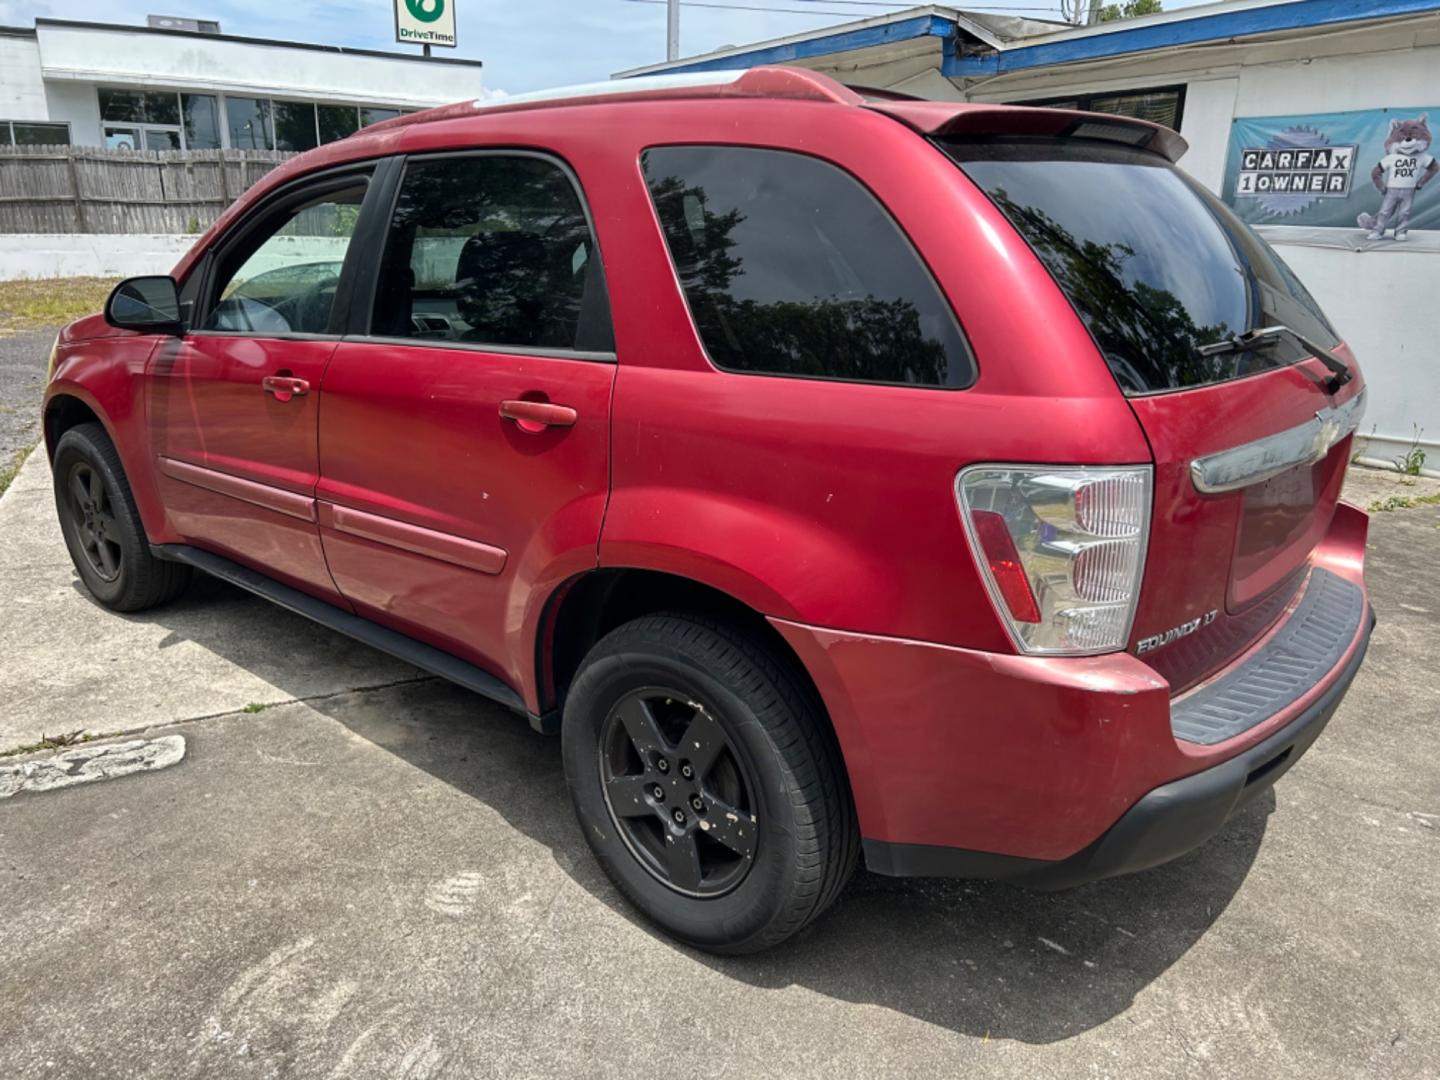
{"points": [[672, 30], [1094, 13]]}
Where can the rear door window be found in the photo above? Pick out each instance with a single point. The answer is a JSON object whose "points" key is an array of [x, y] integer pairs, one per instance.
{"points": [[1155, 265], [791, 267], [493, 250]]}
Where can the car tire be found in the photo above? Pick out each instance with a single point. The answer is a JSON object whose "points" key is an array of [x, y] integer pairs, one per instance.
{"points": [[102, 527], [713, 701]]}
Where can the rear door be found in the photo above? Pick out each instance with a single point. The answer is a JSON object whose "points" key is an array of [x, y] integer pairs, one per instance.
{"points": [[233, 406], [464, 440], [1250, 444]]}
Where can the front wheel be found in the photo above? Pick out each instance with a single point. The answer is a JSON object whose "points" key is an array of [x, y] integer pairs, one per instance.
{"points": [[102, 527], [707, 783]]}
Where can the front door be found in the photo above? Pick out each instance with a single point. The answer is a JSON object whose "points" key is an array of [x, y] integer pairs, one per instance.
{"points": [[233, 406], [464, 440]]}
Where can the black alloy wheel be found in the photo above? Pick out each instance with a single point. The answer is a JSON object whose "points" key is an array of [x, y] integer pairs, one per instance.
{"points": [[678, 793], [94, 518], [707, 779], [102, 527]]}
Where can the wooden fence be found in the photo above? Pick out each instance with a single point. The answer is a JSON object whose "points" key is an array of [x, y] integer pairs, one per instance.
{"points": [[85, 189]]}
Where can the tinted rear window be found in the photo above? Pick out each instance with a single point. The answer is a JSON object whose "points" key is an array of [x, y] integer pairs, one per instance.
{"points": [[791, 267], [1154, 265]]}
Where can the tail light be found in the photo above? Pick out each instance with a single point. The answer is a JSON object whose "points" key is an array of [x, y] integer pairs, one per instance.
{"points": [[1062, 550]]}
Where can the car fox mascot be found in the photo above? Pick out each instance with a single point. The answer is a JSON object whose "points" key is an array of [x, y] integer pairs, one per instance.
{"points": [[1406, 168]]}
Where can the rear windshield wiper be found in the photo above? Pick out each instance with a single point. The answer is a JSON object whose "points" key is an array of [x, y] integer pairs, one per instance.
{"points": [[1340, 372]]}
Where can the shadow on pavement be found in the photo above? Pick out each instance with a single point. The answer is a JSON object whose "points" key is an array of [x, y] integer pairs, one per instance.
{"points": [[977, 958]]}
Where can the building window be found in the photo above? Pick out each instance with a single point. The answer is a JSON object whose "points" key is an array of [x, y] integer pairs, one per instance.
{"points": [[26, 133], [201, 113], [1160, 105], [140, 119], [337, 121], [154, 120], [372, 115], [294, 125], [250, 123]]}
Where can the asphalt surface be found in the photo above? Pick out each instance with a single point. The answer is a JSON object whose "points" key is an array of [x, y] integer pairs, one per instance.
{"points": [[389, 883], [22, 382]]}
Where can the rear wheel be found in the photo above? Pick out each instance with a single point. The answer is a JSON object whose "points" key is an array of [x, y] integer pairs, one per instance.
{"points": [[707, 783], [102, 528]]}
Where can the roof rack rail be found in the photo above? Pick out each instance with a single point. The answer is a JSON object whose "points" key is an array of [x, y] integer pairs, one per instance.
{"points": [[765, 82]]}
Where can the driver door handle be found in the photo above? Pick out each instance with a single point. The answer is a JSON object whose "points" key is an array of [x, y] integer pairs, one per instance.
{"points": [[535, 416], [284, 387]]}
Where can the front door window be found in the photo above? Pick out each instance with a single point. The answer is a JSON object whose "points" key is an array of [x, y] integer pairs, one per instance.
{"points": [[285, 283]]}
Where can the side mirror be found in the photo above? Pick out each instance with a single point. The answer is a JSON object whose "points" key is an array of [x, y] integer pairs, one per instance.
{"points": [[148, 304]]}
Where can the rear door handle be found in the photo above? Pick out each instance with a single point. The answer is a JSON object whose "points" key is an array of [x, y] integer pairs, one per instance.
{"points": [[536, 416], [284, 387]]}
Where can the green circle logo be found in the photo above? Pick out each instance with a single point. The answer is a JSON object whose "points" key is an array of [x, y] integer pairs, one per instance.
{"points": [[417, 9]]}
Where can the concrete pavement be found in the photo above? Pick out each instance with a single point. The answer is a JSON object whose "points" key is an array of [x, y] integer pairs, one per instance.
{"points": [[389, 882], [66, 663]]}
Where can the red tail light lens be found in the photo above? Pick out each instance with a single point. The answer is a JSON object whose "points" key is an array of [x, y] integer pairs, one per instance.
{"points": [[1062, 550], [1005, 566]]}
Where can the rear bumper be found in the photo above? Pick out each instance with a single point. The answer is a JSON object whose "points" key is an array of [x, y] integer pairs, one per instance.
{"points": [[1166, 823], [1060, 771]]}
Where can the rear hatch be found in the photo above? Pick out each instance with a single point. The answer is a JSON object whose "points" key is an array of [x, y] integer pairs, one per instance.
{"points": [[1250, 437]]}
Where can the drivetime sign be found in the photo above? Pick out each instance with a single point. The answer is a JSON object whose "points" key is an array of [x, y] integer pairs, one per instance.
{"points": [[425, 22]]}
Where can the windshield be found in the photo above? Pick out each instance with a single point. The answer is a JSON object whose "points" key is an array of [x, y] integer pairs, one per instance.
{"points": [[1154, 265]]}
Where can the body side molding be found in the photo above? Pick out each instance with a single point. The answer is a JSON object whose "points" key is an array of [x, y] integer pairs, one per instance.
{"points": [[277, 499]]}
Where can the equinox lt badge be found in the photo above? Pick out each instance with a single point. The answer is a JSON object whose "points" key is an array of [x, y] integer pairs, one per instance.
{"points": [[1175, 633]]}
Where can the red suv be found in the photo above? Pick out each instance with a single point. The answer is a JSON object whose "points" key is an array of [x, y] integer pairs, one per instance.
{"points": [[836, 473]]}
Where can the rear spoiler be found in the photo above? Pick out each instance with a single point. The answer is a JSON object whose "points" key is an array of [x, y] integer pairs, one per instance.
{"points": [[943, 119]]}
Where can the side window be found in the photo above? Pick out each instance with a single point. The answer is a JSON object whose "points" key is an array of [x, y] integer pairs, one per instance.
{"points": [[282, 278], [791, 267], [493, 250]]}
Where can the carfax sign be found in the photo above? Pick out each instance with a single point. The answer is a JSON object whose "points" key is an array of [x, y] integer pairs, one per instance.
{"points": [[1365, 171], [425, 22]]}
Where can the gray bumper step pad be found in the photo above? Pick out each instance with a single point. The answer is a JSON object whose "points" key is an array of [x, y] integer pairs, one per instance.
{"points": [[1283, 670]]}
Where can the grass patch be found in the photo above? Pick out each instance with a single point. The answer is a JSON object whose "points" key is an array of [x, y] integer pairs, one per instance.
{"points": [[1403, 502], [41, 303], [255, 707], [53, 742], [10, 471]]}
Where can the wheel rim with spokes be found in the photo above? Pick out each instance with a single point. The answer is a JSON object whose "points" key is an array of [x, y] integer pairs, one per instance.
{"points": [[680, 795], [93, 516]]}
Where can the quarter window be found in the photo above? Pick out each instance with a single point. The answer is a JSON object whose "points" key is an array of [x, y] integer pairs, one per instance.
{"points": [[282, 278], [494, 250], [791, 267]]}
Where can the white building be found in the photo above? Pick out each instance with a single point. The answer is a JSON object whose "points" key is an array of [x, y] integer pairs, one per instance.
{"points": [[181, 84], [1229, 76]]}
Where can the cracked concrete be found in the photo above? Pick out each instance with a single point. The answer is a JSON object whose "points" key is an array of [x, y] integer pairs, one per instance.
{"points": [[89, 763], [389, 882]]}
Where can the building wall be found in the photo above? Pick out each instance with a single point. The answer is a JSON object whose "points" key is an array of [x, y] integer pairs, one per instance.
{"points": [[22, 93], [1379, 300], [78, 104], [117, 56]]}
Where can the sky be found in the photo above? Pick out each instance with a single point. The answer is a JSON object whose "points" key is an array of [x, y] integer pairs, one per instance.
{"points": [[525, 44]]}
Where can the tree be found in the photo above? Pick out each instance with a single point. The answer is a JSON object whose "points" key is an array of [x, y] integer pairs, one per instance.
{"points": [[1130, 9]]}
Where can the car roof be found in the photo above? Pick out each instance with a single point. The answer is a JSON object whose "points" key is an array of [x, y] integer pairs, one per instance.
{"points": [[781, 83], [775, 83]]}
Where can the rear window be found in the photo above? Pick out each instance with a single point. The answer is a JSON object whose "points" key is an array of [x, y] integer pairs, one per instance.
{"points": [[791, 267], [1155, 266]]}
